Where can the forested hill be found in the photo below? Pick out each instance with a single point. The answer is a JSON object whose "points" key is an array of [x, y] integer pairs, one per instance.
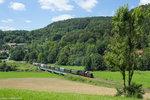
{"points": [[81, 36], [78, 41], [69, 42], [57, 30]]}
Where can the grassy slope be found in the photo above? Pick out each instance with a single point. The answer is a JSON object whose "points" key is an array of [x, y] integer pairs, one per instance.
{"points": [[90, 81], [4, 75], [22, 66], [41, 95], [140, 77]]}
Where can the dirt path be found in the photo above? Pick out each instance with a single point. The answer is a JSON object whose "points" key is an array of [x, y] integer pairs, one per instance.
{"points": [[57, 85]]}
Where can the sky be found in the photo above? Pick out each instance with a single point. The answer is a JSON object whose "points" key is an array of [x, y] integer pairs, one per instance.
{"points": [[35, 14]]}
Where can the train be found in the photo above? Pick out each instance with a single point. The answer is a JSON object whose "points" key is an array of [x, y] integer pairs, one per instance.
{"points": [[63, 71]]}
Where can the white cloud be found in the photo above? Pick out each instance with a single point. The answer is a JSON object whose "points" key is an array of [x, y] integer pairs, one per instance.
{"points": [[53, 5], [143, 2], [62, 17], [28, 21], [1, 1], [86, 4], [17, 6], [7, 28], [7, 20]]}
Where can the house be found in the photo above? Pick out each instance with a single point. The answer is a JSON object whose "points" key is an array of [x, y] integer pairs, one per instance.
{"points": [[139, 51], [12, 44]]}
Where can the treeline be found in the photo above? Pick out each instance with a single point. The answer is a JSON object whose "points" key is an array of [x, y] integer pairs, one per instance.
{"points": [[79, 41]]}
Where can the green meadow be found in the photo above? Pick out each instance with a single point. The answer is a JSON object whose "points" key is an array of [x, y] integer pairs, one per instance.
{"points": [[140, 77], [42, 95], [4, 75]]}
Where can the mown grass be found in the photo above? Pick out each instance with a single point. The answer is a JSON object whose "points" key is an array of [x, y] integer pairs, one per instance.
{"points": [[140, 77], [4, 75], [70, 67], [42, 95]]}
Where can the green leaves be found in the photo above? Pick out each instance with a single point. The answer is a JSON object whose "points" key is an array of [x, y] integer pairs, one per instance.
{"points": [[127, 31]]}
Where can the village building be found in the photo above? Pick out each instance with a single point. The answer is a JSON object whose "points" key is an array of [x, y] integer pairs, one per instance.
{"points": [[139, 52], [12, 44]]}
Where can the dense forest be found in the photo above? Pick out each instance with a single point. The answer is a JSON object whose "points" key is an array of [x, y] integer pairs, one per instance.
{"points": [[78, 41]]}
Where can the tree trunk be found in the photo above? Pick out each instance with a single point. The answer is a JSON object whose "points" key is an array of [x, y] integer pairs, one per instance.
{"points": [[129, 81], [124, 82], [131, 75]]}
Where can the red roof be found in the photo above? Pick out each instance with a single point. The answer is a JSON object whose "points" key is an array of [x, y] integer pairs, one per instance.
{"points": [[139, 51]]}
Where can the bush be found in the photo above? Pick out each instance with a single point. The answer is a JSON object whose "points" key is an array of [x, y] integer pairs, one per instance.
{"points": [[135, 90], [5, 68], [3, 57]]}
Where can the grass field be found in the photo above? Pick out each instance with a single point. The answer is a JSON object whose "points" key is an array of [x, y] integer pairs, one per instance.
{"points": [[70, 67], [140, 77], [41, 95], [4, 75]]}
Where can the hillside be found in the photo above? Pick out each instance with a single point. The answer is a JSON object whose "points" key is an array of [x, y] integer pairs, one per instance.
{"points": [[71, 42], [57, 30], [78, 32]]}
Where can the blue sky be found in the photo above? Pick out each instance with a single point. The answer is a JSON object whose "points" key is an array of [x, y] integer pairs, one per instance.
{"points": [[35, 14]]}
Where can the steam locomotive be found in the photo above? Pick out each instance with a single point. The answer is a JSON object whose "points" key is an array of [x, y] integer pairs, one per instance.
{"points": [[63, 71]]}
